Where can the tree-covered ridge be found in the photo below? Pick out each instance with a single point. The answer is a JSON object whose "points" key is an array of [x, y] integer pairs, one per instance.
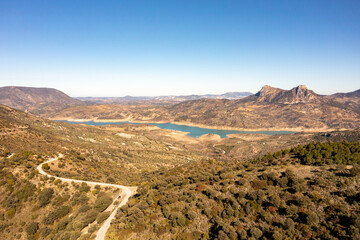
{"points": [[320, 153], [278, 196], [328, 153]]}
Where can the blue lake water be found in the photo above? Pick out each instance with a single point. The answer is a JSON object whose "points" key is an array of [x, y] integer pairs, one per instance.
{"points": [[192, 131]]}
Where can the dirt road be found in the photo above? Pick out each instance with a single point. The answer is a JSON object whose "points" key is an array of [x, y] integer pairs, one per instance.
{"points": [[125, 195]]}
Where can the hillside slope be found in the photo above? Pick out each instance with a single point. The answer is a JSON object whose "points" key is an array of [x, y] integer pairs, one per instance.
{"points": [[299, 193], [36, 100], [271, 108], [87, 147], [351, 100], [173, 201], [39, 207]]}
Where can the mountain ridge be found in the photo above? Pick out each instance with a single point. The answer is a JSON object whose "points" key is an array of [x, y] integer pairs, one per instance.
{"points": [[271, 108], [36, 100], [171, 98], [355, 93], [299, 94]]}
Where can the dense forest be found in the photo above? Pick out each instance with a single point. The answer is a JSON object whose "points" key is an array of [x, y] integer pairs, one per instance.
{"points": [[307, 192]]}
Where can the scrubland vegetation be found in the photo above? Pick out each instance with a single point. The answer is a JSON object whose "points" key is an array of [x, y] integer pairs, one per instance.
{"points": [[304, 192], [90, 153], [37, 207], [307, 192]]}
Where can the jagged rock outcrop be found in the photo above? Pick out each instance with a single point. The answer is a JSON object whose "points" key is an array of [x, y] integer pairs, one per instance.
{"points": [[268, 94], [271, 108], [299, 94]]}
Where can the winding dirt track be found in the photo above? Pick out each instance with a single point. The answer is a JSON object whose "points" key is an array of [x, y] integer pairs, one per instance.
{"points": [[126, 194]]}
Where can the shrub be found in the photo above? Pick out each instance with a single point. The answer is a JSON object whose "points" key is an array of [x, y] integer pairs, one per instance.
{"points": [[282, 182], [242, 234], [63, 223], [181, 220], [291, 210], [102, 202], [102, 217], [259, 184], [312, 219], [84, 187], [46, 232], [277, 236], [79, 198], [191, 215], [84, 208], [289, 224], [275, 200], [60, 212], [32, 228], [256, 233], [45, 166], [177, 219], [45, 196], [59, 200], [83, 219], [11, 212], [355, 170]]}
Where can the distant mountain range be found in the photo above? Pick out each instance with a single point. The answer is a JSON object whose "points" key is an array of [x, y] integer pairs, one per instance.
{"points": [[172, 98], [271, 108]]}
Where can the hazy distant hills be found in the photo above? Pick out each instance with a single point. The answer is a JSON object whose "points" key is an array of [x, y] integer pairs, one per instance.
{"points": [[355, 94], [271, 108], [228, 95], [36, 100]]}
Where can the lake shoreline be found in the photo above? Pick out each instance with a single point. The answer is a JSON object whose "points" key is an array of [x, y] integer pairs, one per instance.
{"points": [[297, 130]]}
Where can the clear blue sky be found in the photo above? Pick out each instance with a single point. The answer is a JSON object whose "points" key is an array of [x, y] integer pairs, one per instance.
{"points": [[117, 48]]}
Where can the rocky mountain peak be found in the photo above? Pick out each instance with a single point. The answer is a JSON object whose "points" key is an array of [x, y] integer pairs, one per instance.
{"points": [[299, 94], [266, 90], [268, 93]]}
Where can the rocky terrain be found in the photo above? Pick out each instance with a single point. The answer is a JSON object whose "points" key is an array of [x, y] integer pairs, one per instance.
{"points": [[272, 108], [165, 165], [299, 94], [298, 109]]}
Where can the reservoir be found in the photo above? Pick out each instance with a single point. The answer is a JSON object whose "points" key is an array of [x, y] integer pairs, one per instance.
{"points": [[192, 131]]}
